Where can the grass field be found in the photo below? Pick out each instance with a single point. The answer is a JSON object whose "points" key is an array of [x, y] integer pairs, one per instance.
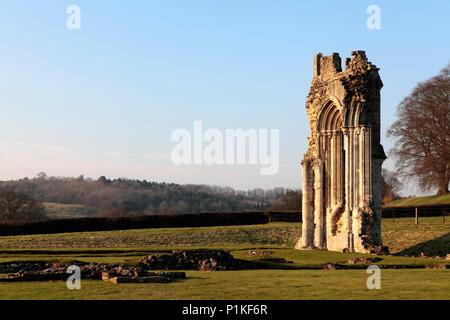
{"points": [[304, 278], [254, 284], [69, 211], [402, 235], [421, 201]]}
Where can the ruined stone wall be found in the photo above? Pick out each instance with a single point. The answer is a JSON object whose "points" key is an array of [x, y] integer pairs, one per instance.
{"points": [[342, 167]]}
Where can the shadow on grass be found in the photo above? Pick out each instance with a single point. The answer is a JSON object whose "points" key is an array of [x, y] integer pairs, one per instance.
{"points": [[436, 247]]}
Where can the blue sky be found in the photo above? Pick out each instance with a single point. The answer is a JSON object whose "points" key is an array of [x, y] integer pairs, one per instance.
{"points": [[104, 100]]}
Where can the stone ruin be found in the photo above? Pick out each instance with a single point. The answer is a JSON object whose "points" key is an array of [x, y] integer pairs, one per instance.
{"points": [[341, 170], [146, 271], [54, 271]]}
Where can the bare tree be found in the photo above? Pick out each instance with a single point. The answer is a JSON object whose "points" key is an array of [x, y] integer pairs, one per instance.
{"points": [[422, 134], [391, 186], [19, 207], [292, 200]]}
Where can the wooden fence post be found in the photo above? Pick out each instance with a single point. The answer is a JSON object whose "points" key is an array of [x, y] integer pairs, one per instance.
{"points": [[417, 216]]}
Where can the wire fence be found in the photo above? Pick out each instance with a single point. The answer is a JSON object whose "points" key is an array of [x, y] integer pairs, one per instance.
{"points": [[414, 215], [419, 215]]}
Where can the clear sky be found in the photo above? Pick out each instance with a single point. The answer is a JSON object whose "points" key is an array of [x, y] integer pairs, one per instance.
{"points": [[105, 99]]}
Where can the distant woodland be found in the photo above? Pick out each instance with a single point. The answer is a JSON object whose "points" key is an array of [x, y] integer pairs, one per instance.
{"points": [[125, 197]]}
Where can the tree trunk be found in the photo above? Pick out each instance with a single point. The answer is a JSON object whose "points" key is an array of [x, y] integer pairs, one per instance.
{"points": [[443, 186]]}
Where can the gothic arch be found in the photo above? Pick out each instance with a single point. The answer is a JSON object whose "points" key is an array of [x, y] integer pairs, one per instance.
{"points": [[329, 117]]}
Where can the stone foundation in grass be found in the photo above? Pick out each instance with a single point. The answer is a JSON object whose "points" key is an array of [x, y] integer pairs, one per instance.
{"points": [[32, 272]]}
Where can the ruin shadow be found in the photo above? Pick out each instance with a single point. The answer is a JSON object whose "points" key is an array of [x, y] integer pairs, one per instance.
{"points": [[435, 247]]}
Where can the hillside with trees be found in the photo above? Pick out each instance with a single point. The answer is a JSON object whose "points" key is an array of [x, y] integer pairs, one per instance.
{"points": [[16, 206], [126, 197]]}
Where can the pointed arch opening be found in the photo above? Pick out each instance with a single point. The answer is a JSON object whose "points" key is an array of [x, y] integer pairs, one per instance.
{"points": [[332, 152]]}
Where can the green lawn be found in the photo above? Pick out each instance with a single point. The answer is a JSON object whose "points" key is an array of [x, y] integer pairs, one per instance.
{"points": [[420, 201], [404, 237], [259, 284], [273, 234], [307, 259], [304, 278], [400, 235]]}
